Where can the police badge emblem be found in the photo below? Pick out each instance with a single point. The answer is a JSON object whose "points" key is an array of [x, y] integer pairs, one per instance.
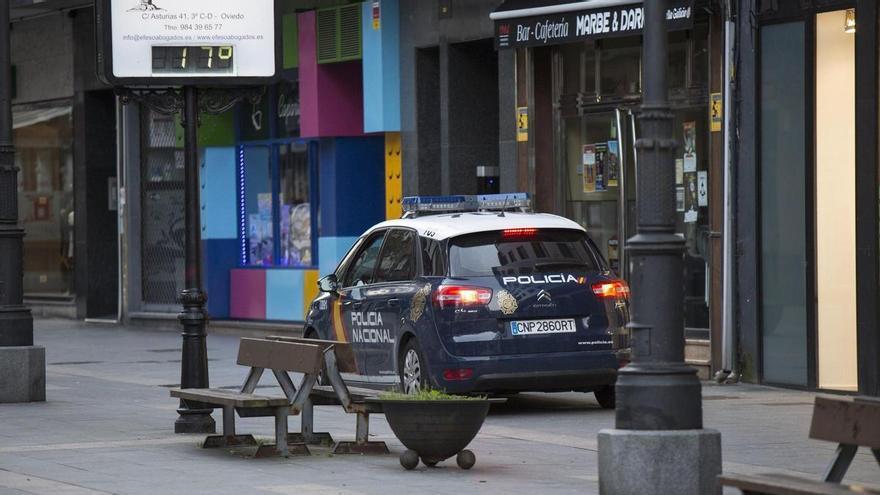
{"points": [[417, 307], [506, 302]]}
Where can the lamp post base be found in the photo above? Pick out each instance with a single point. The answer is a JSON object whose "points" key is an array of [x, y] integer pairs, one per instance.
{"points": [[684, 462], [22, 374], [195, 421]]}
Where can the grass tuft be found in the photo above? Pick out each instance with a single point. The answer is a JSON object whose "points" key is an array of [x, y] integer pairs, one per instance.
{"points": [[427, 395]]}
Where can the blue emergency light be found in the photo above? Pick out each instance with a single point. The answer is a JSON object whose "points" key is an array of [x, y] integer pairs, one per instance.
{"points": [[416, 205]]}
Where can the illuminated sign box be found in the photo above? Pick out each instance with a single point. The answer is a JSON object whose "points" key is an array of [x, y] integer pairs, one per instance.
{"points": [[188, 42]]}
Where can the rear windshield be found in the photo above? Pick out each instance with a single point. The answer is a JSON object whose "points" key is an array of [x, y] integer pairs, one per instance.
{"points": [[492, 253]]}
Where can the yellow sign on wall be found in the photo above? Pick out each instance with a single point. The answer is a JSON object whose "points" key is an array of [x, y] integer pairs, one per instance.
{"points": [[522, 124], [716, 112]]}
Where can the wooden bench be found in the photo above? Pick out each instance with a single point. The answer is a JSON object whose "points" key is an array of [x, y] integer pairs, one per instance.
{"points": [[851, 423], [260, 355], [353, 400], [281, 355]]}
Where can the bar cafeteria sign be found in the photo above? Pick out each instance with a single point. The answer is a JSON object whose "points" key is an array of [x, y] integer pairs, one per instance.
{"points": [[568, 27]]}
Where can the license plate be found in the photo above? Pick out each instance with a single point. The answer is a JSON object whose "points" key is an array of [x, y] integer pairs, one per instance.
{"points": [[540, 327]]}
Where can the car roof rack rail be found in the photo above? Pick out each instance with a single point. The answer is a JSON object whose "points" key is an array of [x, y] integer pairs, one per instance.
{"points": [[415, 206]]}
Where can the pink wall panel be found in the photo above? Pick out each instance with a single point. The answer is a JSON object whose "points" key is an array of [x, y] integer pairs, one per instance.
{"points": [[331, 95], [247, 298]]}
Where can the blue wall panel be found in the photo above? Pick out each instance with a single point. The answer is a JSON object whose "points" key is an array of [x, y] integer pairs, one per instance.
{"points": [[219, 218], [352, 185], [381, 67], [284, 295], [330, 252], [221, 255]]}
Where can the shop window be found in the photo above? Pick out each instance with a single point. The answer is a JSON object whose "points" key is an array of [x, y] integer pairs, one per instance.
{"points": [[275, 205], [621, 66], [783, 234], [579, 68], [44, 154], [296, 210], [676, 73], [259, 218]]}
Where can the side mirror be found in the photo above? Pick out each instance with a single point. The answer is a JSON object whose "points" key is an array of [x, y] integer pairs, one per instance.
{"points": [[328, 283]]}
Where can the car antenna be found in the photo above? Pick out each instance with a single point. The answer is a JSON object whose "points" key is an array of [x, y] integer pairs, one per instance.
{"points": [[503, 207]]}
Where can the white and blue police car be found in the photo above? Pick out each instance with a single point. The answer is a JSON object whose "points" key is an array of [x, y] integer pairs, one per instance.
{"points": [[476, 294]]}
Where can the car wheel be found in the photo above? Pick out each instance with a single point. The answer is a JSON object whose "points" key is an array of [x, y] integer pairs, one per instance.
{"points": [[322, 378], [605, 396], [413, 376]]}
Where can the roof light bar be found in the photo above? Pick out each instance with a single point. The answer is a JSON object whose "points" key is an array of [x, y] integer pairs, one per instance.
{"points": [[415, 205]]}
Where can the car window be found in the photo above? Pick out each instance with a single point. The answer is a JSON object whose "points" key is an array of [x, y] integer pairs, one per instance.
{"points": [[492, 253], [398, 260], [433, 260], [360, 271]]}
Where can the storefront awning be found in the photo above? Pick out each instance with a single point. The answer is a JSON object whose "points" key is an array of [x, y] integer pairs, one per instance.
{"points": [[523, 23], [25, 118]]}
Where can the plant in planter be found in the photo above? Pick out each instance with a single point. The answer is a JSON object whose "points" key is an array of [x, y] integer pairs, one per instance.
{"points": [[435, 426]]}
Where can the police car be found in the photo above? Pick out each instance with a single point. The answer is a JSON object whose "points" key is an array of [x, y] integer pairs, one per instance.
{"points": [[475, 294]]}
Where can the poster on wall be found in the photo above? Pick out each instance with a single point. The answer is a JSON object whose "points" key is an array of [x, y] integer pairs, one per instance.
{"points": [[691, 202], [612, 163], [703, 188], [601, 166], [690, 146], [679, 199], [679, 171], [589, 165]]}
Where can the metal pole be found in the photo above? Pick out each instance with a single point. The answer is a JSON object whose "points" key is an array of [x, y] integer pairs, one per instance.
{"points": [[194, 417], [16, 322], [657, 390]]}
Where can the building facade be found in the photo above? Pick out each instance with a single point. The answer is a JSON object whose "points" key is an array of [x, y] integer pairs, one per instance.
{"points": [[807, 215], [64, 133], [290, 179]]}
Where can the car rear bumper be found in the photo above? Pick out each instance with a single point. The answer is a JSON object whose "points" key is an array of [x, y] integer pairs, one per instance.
{"points": [[545, 372]]}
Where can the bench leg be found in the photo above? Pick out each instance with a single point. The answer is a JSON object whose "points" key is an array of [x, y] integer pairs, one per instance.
{"points": [[840, 464], [362, 443], [308, 435], [281, 442], [229, 438]]}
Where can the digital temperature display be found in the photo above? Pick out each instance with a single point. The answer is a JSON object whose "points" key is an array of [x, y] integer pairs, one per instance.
{"points": [[203, 60]]}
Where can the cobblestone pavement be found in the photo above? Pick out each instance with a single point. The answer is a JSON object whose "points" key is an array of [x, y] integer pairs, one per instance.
{"points": [[107, 427]]}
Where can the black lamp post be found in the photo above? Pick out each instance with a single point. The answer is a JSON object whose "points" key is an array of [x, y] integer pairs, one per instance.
{"points": [[657, 391], [16, 323], [22, 364], [658, 444], [193, 417]]}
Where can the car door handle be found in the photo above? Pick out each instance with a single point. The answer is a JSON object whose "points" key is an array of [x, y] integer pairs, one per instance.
{"points": [[394, 303], [357, 305]]}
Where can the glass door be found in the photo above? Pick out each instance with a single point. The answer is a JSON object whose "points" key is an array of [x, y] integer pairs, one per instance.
{"points": [[600, 178]]}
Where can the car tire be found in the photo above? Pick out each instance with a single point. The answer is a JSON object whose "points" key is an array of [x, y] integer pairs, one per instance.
{"points": [[605, 396], [412, 373], [322, 378]]}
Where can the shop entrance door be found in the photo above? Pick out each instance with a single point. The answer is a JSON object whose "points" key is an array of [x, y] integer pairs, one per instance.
{"points": [[601, 179]]}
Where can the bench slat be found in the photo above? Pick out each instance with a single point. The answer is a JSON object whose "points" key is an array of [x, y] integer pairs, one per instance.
{"points": [[344, 353], [843, 420], [783, 484], [277, 355], [223, 397]]}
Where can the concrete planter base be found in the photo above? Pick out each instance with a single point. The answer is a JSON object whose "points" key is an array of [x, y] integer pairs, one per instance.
{"points": [[681, 462], [22, 374]]}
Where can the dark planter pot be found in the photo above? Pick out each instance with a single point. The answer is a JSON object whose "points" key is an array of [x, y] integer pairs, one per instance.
{"points": [[436, 430]]}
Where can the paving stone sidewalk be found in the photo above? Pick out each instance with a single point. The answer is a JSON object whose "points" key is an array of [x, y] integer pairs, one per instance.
{"points": [[107, 427]]}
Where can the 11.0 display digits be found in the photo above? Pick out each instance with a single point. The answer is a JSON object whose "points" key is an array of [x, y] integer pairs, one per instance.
{"points": [[193, 59]]}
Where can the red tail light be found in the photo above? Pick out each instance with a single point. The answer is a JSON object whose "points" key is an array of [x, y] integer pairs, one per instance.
{"points": [[455, 296], [611, 289], [519, 232], [457, 374]]}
